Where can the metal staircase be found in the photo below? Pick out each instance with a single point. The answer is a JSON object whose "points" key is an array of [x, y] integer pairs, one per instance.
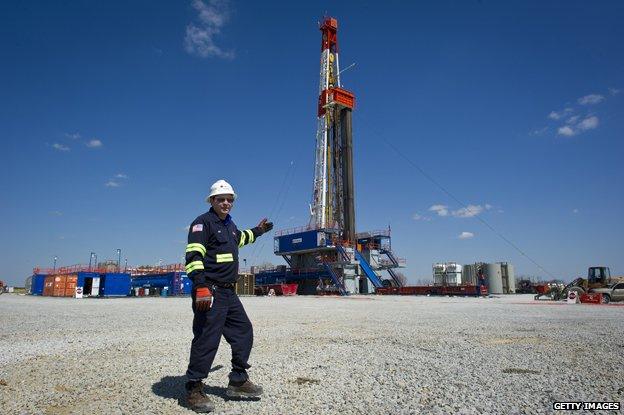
{"points": [[343, 253], [335, 279], [395, 262], [367, 269]]}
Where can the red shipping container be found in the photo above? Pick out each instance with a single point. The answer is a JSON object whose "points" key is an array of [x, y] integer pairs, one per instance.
{"points": [[59, 285], [48, 286], [70, 285]]}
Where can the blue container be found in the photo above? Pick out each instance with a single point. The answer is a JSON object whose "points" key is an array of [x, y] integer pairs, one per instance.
{"points": [[80, 280], [187, 285], [302, 241], [177, 282], [115, 284], [154, 280], [38, 281]]}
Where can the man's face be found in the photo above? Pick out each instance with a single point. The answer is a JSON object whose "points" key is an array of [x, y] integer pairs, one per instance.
{"points": [[222, 204]]}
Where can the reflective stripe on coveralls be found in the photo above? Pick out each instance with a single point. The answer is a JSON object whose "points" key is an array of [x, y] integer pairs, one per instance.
{"points": [[224, 258], [194, 266], [197, 248]]}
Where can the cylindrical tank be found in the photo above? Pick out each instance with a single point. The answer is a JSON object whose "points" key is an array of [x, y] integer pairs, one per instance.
{"points": [[494, 277], [469, 274], [508, 274], [439, 271], [453, 273]]}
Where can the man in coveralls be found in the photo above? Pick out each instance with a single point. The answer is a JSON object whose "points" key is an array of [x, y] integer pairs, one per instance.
{"points": [[212, 265], [480, 280]]}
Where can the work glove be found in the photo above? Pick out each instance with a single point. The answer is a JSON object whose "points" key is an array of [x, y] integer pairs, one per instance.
{"points": [[265, 226], [203, 298]]}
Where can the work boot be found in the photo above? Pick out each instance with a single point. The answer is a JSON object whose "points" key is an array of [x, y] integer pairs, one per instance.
{"points": [[244, 389], [197, 399]]}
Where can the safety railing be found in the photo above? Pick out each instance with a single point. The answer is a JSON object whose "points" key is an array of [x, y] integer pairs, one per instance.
{"points": [[298, 229], [72, 269], [159, 269], [372, 234]]}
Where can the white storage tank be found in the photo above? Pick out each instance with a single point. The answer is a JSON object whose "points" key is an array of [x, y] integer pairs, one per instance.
{"points": [[469, 274], [509, 278], [453, 273], [512, 278], [494, 277], [439, 271]]}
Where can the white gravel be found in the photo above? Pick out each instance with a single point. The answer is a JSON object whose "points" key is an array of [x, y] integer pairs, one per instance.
{"points": [[361, 354]]}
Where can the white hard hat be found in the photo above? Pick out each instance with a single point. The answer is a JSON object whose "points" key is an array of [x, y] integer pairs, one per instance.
{"points": [[220, 187]]}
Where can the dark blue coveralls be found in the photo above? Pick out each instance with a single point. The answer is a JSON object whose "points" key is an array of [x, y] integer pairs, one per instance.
{"points": [[212, 261]]}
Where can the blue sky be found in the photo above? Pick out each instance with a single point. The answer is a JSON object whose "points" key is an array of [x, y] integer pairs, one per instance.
{"points": [[116, 117]]}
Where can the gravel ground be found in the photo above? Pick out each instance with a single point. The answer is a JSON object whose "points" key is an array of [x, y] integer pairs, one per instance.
{"points": [[314, 355]]}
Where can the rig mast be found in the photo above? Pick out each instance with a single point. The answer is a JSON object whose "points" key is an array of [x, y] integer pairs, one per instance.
{"points": [[333, 197], [327, 256]]}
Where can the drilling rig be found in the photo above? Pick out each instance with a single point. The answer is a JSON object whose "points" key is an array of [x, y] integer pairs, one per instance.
{"points": [[327, 255]]}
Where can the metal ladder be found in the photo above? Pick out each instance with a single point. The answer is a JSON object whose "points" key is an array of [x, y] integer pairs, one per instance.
{"points": [[334, 277], [394, 261], [367, 269]]}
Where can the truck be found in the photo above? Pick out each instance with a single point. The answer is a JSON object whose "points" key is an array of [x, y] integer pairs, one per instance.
{"points": [[614, 292]]}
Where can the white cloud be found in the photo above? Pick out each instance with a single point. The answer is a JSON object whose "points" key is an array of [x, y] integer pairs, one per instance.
{"points": [[199, 38], [466, 235], [468, 211], [554, 115], [614, 91], [589, 123], [539, 131], [441, 210], [214, 14], [417, 216], [73, 136], [60, 147], [566, 131], [121, 176], [573, 119], [591, 99], [111, 183], [575, 210], [464, 212], [56, 213], [94, 143]]}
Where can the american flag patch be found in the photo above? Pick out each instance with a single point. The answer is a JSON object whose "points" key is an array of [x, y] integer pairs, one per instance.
{"points": [[197, 228]]}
